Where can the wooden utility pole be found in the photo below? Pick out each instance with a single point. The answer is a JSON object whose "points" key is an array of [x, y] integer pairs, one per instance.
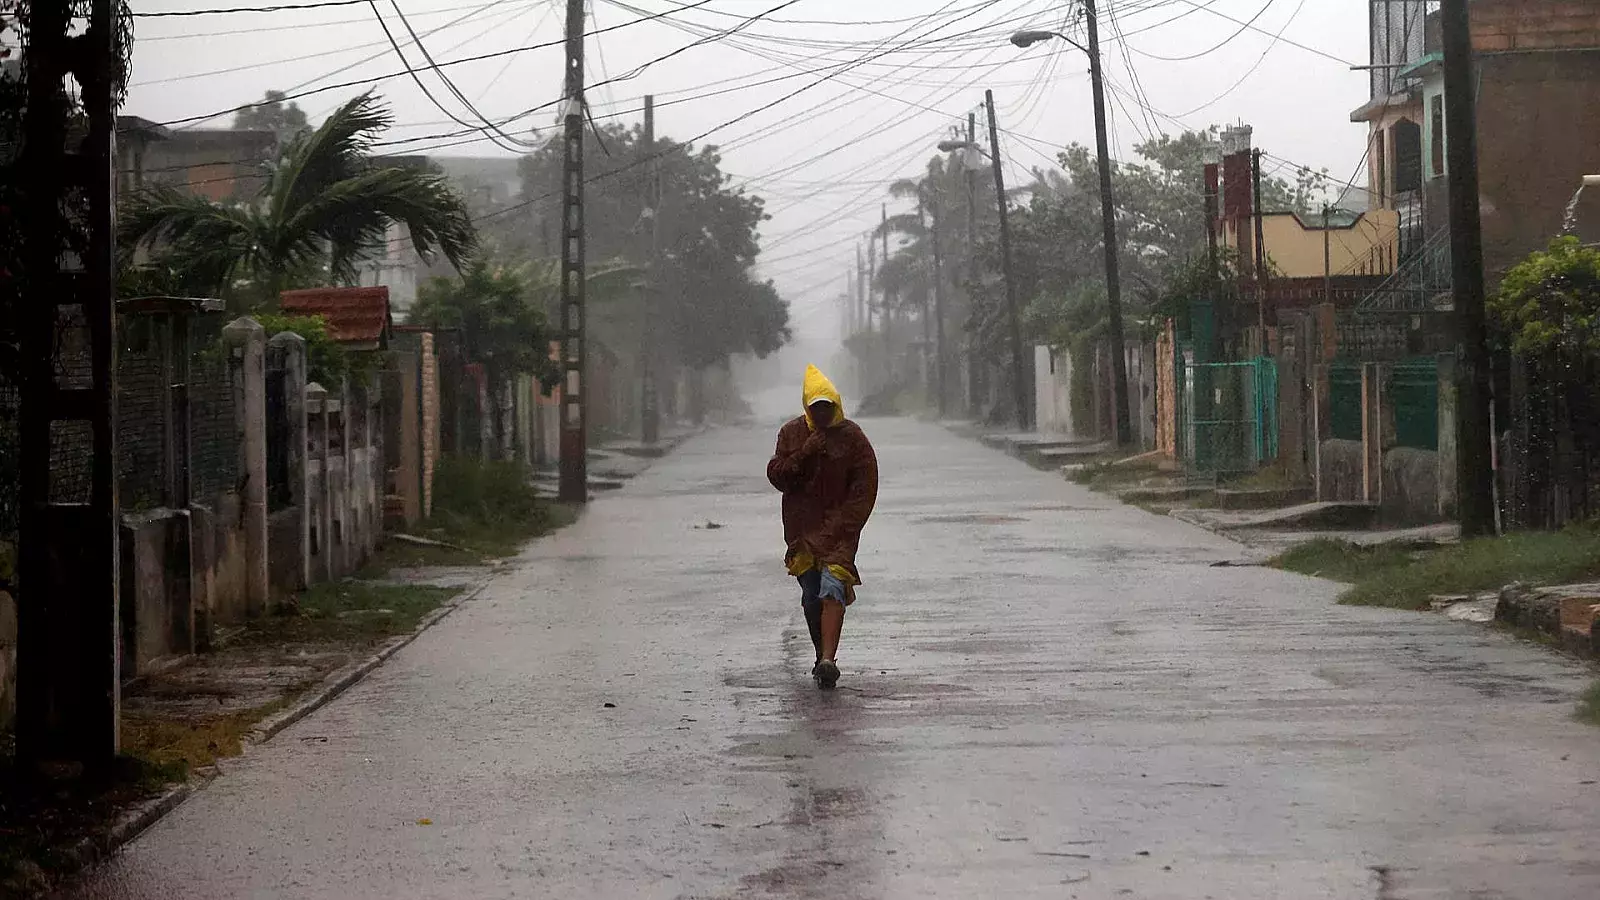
{"points": [[1108, 220], [1019, 387], [649, 414], [574, 419], [1474, 469], [67, 574]]}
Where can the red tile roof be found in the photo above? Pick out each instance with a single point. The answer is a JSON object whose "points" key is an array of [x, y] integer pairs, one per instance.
{"points": [[356, 315]]}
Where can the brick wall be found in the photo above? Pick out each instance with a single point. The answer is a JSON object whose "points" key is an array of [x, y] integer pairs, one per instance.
{"points": [[430, 421], [1503, 25]]}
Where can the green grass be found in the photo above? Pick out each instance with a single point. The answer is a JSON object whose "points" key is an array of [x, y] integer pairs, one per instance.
{"points": [[1405, 577], [485, 511], [1589, 706], [353, 612]]}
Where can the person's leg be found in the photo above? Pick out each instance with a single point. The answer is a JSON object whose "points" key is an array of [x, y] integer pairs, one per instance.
{"points": [[811, 602], [832, 627]]}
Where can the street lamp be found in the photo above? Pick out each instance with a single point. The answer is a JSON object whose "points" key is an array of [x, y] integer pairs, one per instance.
{"points": [[1019, 385], [1108, 216]]}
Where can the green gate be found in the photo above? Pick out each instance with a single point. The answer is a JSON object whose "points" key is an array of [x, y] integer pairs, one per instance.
{"points": [[1230, 414]]}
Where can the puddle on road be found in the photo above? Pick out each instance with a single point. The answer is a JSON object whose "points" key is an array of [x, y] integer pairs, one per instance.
{"points": [[969, 519]]}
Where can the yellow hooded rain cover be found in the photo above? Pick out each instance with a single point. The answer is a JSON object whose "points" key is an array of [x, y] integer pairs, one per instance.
{"points": [[818, 387]]}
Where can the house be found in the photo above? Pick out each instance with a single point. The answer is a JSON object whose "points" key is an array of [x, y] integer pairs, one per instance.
{"points": [[1537, 68], [135, 136], [219, 164]]}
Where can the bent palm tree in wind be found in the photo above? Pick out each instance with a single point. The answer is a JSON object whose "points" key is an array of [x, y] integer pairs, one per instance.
{"points": [[326, 204]]}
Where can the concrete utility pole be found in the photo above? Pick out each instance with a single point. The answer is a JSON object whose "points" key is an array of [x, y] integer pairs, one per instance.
{"points": [[974, 366], [574, 419], [888, 302], [68, 677], [649, 413], [940, 361], [1019, 388], [863, 312], [1474, 469], [1261, 252]]}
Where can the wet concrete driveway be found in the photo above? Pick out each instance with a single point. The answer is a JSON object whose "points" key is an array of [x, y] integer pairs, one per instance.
{"points": [[1045, 695]]}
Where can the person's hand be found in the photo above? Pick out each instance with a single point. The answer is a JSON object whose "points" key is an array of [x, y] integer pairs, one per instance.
{"points": [[814, 444]]}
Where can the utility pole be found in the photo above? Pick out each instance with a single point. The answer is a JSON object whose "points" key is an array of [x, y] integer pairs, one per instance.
{"points": [[649, 413], [1019, 389], [1327, 257], [940, 361], [974, 365], [1261, 252], [574, 419], [1474, 469], [68, 702], [888, 303], [1108, 217], [863, 312]]}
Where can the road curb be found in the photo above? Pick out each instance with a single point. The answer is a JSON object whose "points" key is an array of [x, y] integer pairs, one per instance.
{"points": [[97, 848]]}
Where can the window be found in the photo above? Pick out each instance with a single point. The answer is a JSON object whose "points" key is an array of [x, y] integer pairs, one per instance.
{"points": [[1436, 142], [1407, 142]]}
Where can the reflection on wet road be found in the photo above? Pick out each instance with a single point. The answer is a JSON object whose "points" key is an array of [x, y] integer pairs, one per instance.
{"points": [[1045, 695]]}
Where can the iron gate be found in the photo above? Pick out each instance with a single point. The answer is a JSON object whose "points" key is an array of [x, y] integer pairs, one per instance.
{"points": [[1230, 414]]}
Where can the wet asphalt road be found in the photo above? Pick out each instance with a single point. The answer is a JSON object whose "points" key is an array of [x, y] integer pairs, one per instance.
{"points": [[1045, 695]]}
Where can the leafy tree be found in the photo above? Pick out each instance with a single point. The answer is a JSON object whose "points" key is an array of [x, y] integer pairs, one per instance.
{"points": [[326, 204], [709, 306], [1550, 302], [1057, 252], [499, 312], [287, 121]]}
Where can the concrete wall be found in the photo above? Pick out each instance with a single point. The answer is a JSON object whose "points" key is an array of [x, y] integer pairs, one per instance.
{"points": [[1339, 470], [1052, 384], [157, 601], [1411, 485], [219, 561], [344, 471]]}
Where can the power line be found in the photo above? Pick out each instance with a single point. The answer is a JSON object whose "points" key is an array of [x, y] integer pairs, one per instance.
{"points": [[515, 143], [1243, 27], [285, 7], [368, 82], [191, 35]]}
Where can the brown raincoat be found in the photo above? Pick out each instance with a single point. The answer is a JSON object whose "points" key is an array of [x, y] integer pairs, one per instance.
{"points": [[827, 496]]}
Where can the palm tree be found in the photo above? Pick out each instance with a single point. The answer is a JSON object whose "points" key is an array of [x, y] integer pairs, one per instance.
{"points": [[326, 203]]}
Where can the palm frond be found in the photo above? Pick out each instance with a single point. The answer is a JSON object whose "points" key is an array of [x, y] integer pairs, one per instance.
{"points": [[205, 241], [353, 215], [336, 151]]}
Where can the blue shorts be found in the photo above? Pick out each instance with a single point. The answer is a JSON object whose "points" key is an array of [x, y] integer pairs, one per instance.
{"points": [[816, 585]]}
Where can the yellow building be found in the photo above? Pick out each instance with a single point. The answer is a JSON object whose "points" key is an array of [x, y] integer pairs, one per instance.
{"points": [[1347, 243]]}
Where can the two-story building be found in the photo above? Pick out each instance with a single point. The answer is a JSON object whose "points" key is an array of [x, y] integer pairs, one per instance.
{"points": [[1537, 76]]}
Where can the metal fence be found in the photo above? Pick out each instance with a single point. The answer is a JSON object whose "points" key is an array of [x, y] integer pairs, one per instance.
{"points": [[143, 407], [213, 427], [1229, 414]]}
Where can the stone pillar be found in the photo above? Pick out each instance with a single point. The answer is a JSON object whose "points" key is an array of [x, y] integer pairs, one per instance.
{"points": [[348, 509], [288, 353], [1372, 432], [320, 509], [246, 343]]}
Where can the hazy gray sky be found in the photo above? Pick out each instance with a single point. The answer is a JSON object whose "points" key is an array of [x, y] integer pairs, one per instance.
{"points": [[822, 157]]}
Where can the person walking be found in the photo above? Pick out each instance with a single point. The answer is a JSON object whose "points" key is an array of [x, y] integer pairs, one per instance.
{"points": [[828, 473]]}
